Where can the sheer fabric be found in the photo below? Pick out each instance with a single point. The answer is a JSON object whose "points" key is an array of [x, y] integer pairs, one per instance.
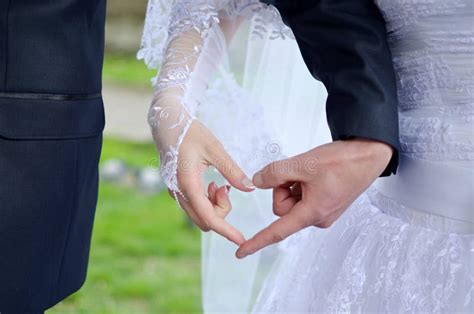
{"points": [[234, 66], [189, 40], [273, 123], [385, 255], [382, 255]]}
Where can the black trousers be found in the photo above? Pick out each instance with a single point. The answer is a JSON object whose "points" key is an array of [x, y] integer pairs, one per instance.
{"points": [[49, 154]]}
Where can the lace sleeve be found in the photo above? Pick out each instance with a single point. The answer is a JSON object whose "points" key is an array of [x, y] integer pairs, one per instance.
{"points": [[188, 38], [185, 37], [166, 19]]}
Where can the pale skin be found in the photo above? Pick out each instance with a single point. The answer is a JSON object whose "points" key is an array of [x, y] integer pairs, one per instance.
{"points": [[311, 189], [208, 206]]}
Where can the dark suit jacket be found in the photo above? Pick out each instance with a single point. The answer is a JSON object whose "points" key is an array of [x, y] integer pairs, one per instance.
{"points": [[343, 43], [51, 120]]}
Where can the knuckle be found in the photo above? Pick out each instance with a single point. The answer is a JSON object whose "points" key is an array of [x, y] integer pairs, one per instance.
{"points": [[223, 211], [276, 238], [332, 201], [301, 221], [325, 224], [210, 221], [206, 226], [227, 207], [214, 147], [277, 210], [317, 218], [198, 222], [205, 229], [326, 214], [270, 176]]}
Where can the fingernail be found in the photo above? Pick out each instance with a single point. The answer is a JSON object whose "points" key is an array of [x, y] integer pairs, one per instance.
{"points": [[227, 189], [214, 185], [248, 183], [258, 179]]}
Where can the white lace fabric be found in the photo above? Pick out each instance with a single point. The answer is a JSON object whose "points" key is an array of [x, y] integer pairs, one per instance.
{"points": [[382, 256], [189, 40], [178, 89], [370, 262], [433, 53]]}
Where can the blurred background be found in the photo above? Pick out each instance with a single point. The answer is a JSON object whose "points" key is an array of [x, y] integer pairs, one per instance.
{"points": [[145, 255]]}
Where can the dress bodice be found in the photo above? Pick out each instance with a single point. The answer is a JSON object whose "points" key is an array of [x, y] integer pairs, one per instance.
{"points": [[432, 43]]}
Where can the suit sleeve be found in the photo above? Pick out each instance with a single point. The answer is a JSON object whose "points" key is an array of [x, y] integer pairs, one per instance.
{"points": [[343, 43]]}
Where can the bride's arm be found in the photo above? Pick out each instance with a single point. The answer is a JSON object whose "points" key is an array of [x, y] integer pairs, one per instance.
{"points": [[197, 41], [191, 58]]}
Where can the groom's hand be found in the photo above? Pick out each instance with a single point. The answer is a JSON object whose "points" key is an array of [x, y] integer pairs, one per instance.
{"points": [[315, 188]]}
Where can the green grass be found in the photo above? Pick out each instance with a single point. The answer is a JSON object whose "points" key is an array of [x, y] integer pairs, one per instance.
{"points": [[134, 154], [127, 70], [144, 257]]}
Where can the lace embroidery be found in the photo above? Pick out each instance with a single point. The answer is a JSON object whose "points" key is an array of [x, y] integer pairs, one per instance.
{"points": [[262, 148], [403, 13], [370, 261], [381, 257], [432, 51], [185, 38], [166, 19]]}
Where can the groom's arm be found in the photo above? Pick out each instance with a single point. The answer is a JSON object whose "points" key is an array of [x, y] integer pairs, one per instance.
{"points": [[343, 43]]}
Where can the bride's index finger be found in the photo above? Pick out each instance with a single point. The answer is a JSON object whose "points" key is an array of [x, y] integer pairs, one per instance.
{"points": [[224, 163], [225, 229]]}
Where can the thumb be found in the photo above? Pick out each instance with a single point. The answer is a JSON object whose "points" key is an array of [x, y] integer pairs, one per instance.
{"points": [[278, 173], [223, 162]]}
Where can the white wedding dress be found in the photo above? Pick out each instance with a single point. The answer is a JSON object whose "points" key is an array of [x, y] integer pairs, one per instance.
{"points": [[407, 244]]}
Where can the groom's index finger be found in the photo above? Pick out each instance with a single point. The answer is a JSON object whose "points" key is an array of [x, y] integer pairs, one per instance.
{"points": [[278, 173], [278, 231]]}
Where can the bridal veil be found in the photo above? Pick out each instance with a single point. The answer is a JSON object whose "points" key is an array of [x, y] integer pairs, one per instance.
{"points": [[233, 65]]}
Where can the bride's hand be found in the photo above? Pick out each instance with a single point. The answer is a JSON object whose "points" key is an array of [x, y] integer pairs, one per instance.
{"points": [[201, 149]]}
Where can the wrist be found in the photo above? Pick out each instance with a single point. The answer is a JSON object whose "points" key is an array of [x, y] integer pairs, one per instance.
{"points": [[369, 150]]}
